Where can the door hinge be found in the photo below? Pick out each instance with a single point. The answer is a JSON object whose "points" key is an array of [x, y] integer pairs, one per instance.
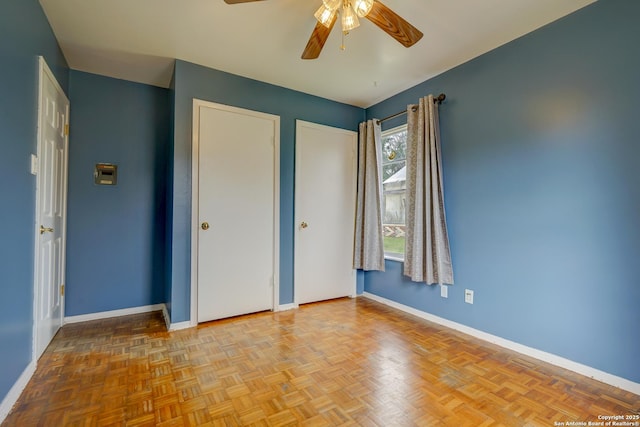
{"points": [[62, 290], [66, 129]]}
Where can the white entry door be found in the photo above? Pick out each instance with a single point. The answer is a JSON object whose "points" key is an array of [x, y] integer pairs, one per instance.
{"points": [[237, 213], [325, 200], [51, 206]]}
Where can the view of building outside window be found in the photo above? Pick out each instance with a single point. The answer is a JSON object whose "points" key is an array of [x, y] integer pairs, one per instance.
{"points": [[394, 173]]}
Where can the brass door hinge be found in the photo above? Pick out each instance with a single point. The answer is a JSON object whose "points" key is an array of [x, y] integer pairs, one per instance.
{"points": [[62, 290], [66, 129]]}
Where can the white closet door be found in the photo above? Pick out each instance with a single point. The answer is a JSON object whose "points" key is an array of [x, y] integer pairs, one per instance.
{"points": [[237, 211], [325, 198]]}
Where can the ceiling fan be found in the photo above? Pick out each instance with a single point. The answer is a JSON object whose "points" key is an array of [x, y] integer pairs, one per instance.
{"points": [[349, 11]]}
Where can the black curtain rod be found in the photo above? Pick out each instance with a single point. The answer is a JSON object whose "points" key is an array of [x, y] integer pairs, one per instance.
{"points": [[437, 99]]}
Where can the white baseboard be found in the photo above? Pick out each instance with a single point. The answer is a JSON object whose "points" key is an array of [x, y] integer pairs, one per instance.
{"points": [[285, 307], [14, 393], [553, 359], [113, 313], [181, 325]]}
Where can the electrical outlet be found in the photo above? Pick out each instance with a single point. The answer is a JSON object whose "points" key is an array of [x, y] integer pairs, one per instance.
{"points": [[444, 291], [468, 296]]}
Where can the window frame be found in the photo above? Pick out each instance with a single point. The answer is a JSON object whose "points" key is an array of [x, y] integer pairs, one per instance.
{"points": [[393, 256]]}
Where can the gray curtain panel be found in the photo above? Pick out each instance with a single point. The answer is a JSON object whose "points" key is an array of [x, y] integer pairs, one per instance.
{"points": [[427, 255], [368, 253]]}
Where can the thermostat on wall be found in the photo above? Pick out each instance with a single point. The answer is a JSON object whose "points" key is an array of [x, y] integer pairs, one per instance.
{"points": [[106, 174]]}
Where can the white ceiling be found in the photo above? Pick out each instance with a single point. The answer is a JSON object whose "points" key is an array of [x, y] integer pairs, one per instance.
{"points": [[137, 40]]}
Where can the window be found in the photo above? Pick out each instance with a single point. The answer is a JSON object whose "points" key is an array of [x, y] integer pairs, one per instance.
{"points": [[394, 173]]}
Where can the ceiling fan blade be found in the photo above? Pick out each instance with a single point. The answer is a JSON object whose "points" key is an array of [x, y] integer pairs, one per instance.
{"points": [[317, 40], [394, 25], [238, 1]]}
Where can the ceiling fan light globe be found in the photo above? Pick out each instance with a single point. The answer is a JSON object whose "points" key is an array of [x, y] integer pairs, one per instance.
{"points": [[332, 4], [324, 15], [349, 19], [362, 7]]}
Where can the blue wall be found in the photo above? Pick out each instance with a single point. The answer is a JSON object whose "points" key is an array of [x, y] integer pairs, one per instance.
{"points": [[193, 81], [24, 34], [116, 234], [542, 188]]}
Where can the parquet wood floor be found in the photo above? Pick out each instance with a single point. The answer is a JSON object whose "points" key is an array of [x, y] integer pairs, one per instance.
{"points": [[342, 362]]}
